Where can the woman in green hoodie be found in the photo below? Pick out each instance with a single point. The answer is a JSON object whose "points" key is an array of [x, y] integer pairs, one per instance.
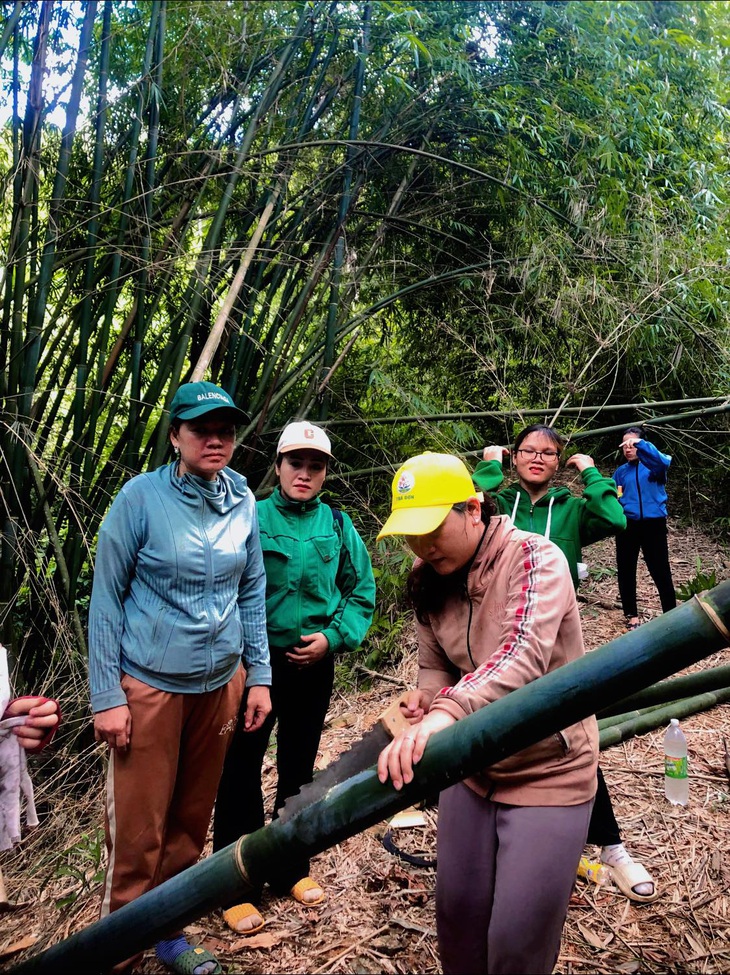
{"points": [[570, 522], [320, 598]]}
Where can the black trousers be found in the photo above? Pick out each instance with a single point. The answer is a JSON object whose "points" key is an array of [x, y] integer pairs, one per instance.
{"points": [[648, 536], [603, 829], [300, 697]]}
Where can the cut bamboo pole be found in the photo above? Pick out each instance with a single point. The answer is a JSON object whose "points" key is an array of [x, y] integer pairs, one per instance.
{"points": [[671, 690], [673, 641], [641, 722], [625, 716]]}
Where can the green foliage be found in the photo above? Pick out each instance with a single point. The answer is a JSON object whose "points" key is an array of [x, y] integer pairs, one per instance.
{"points": [[699, 582], [83, 866], [601, 572], [385, 640], [348, 210]]}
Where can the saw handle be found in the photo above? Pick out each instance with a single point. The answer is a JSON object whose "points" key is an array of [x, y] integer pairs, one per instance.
{"points": [[393, 719]]}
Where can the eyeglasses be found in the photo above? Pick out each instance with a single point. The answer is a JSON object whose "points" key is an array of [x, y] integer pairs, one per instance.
{"points": [[529, 454]]}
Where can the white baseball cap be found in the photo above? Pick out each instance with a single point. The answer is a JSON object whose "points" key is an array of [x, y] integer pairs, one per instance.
{"points": [[303, 435]]}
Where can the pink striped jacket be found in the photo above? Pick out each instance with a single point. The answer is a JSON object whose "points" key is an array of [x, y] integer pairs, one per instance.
{"points": [[517, 621]]}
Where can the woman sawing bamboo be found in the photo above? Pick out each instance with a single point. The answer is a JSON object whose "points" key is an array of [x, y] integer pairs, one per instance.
{"points": [[495, 609]]}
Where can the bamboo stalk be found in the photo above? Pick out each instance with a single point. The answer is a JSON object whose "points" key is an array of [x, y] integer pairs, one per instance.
{"points": [[678, 638], [346, 200], [652, 718], [10, 24], [510, 414], [216, 332], [626, 716], [672, 690], [37, 310]]}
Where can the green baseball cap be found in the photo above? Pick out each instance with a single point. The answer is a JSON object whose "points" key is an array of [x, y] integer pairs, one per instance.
{"points": [[193, 400]]}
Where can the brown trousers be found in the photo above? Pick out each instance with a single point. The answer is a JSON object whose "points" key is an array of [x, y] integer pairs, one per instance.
{"points": [[160, 793]]}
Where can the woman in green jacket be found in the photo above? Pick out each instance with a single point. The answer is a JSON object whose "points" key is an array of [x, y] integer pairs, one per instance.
{"points": [[320, 598], [570, 522], [554, 512]]}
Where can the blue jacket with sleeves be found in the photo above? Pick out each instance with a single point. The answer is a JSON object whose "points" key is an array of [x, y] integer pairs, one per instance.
{"points": [[179, 587], [641, 483]]}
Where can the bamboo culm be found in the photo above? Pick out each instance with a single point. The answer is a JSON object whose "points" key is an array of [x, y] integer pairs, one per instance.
{"points": [[671, 690], [642, 722]]}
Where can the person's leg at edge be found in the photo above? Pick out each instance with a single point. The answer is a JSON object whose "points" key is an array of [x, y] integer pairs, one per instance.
{"points": [[305, 697], [537, 856], [656, 554], [465, 853], [604, 831], [139, 789], [239, 806], [628, 544], [209, 721]]}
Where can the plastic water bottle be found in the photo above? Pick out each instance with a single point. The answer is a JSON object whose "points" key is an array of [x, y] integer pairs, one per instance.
{"points": [[676, 783], [593, 870]]}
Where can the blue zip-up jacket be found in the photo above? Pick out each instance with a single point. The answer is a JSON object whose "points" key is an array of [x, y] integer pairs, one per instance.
{"points": [[318, 574], [179, 587], [641, 483]]}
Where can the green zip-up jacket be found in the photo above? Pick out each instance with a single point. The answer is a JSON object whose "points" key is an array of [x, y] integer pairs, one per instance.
{"points": [[318, 574], [568, 521]]}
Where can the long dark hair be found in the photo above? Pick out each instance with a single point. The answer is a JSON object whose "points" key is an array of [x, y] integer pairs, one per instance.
{"points": [[427, 590], [546, 431]]}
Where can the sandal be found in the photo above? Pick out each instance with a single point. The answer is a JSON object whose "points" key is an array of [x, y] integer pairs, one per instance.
{"points": [[234, 915], [632, 625], [187, 962], [628, 876], [301, 887]]}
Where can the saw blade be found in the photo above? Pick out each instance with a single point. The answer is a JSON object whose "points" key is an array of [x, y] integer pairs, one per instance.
{"points": [[361, 755]]}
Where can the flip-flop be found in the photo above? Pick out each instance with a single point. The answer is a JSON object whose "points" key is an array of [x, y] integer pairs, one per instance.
{"points": [[238, 913], [188, 961], [630, 875], [301, 887]]}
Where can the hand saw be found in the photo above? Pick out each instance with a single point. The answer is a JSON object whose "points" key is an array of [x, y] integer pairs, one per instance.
{"points": [[357, 758]]}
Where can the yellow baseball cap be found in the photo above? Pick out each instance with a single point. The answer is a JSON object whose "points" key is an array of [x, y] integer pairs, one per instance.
{"points": [[425, 489]]}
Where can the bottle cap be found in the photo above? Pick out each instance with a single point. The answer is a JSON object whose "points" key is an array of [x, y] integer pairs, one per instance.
{"points": [[674, 721]]}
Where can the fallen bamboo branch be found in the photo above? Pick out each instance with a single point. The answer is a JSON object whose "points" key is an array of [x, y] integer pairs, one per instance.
{"points": [[361, 669], [656, 717], [671, 690]]}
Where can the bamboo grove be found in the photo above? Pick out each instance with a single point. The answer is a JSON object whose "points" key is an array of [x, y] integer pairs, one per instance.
{"points": [[334, 209]]}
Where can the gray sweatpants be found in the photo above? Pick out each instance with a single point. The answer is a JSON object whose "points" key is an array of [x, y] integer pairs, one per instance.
{"points": [[504, 879]]}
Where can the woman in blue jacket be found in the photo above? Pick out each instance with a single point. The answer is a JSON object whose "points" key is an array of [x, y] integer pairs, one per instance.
{"points": [[641, 483], [178, 604]]}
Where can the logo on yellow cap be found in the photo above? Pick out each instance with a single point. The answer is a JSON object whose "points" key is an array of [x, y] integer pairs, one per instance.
{"points": [[406, 482]]}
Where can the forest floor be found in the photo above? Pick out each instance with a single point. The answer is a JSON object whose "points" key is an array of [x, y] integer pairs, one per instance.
{"points": [[379, 914]]}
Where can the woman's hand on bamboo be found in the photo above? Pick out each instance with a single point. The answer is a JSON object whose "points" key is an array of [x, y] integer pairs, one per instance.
{"points": [[406, 750], [114, 726], [258, 707]]}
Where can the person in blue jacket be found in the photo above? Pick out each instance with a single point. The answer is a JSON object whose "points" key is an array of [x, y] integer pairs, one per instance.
{"points": [[642, 491], [177, 626]]}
